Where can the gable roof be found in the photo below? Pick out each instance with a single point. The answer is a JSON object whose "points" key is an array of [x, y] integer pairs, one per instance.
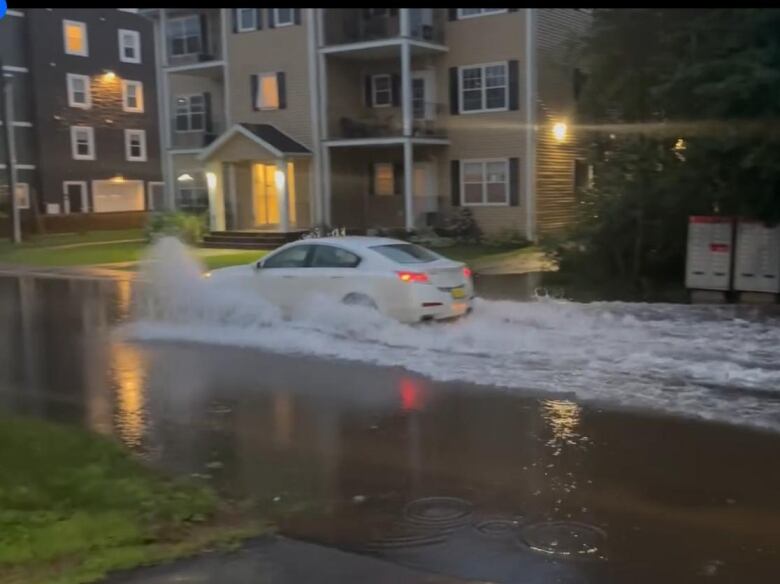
{"points": [[275, 141]]}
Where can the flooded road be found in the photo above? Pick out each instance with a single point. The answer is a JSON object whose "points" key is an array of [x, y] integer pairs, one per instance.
{"points": [[378, 452]]}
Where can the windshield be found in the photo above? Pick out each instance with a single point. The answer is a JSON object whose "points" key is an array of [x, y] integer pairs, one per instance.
{"points": [[406, 253]]}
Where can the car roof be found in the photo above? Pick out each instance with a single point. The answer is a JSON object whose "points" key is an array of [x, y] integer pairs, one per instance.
{"points": [[353, 242]]}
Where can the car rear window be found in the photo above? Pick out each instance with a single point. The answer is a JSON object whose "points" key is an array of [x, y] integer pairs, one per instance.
{"points": [[406, 253]]}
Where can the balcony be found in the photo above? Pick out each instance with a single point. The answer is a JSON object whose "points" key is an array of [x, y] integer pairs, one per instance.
{"points": [[195, 139], [358, 25], [373, 125], [193, 38]]}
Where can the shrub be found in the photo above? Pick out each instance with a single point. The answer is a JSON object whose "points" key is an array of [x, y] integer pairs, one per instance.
{"points": [[462, 226], [188, 227]]}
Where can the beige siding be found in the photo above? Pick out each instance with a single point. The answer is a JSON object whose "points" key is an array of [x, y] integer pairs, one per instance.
{"points": [[556, 30], [191, 84], [473, 41], [265, 51]]}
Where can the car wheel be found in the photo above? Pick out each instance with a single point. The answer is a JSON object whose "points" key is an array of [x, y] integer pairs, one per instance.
{"points": [[356, 299]]}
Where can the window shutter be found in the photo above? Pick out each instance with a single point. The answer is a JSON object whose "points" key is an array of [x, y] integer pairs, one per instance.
{"points": [[255, 81], [396, 89], [281, 87], [452, 14], [455, 182], [454, 93], [271, 21], [207, 112], [514, 84], [259, 18], [367, 92], [398, 178], [371, 173], [235, 19], [514, 182], [297, 15], [204, 33]]}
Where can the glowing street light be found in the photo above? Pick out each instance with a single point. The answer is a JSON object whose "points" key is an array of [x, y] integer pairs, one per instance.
{"points": [[559, 131]]}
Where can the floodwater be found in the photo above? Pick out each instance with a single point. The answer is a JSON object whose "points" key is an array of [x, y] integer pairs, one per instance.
{"points": [[539, 442]]}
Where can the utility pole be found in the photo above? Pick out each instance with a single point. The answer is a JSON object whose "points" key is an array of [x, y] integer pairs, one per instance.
{"points": [[6, 89]]}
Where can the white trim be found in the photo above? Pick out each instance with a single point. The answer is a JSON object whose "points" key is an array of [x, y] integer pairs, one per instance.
{"points": [[188, 97], [391, 42], [484, 88], [374, 103], [17, 13], [139, 96], [384, 141], [83, 26], [530, 124], [15, 69], [26, 189], [19, 124], [204, 65], [462, 16], [129, 135], [84, 195], [149, 198], [69, 78], [277, 24], [183, 151], [91, 143], [484, 162], [102, 182], [136, 45], [253, 27], [175, 19], [20, 166], [315, 184], [238, 129]]}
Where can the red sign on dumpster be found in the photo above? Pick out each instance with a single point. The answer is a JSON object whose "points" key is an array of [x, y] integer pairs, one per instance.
{"points": [[708, 265]]}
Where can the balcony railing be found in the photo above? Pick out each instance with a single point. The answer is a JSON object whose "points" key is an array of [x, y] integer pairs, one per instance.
{"points": [[193, 38], [195, 139], [344, 26], [376, 126]]}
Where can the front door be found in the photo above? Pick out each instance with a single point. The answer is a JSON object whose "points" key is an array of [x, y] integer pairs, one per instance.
{"points": [[265, 199], [423, 100], [75, 197]]}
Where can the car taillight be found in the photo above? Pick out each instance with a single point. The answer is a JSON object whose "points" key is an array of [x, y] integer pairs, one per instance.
{"points": [[467, 272], [417, 277]]}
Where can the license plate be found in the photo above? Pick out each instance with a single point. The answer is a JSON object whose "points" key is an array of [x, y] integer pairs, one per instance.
{"points": [[458, 292]]}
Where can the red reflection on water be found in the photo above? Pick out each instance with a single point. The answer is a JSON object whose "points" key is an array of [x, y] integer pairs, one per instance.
{"points": [[411, 395]]}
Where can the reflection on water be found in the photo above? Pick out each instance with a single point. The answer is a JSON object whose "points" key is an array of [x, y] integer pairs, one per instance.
{"points": [[562, 417], [128, 367]]}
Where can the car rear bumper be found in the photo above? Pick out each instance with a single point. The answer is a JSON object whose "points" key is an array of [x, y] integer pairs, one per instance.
{"points": [[426, 303]]}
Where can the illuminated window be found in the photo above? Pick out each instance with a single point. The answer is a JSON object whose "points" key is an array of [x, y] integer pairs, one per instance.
{"points": [[82, 142], [484, 88], [129, 46], [384, 179], [267, 97], [132, 96], [381, 91], [135, 145], [485, 182], [473, 12], [75, 35], [79, 94], [22, 196]]}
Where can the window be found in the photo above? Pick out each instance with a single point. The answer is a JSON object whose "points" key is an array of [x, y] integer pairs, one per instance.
{"points": [[381, 91], [484, 88], [294, 257], [190, 113], [472, 12], [406, 253], [191, 191], [327, 256], [75, 36], [22, 196], [135, 145], [267, 97], [82, 142], [284, 16], [132, 96], [384, 179], [583, 175], [129, 46], [184, 35], [485, 182], [246, 19], [79, 94]]}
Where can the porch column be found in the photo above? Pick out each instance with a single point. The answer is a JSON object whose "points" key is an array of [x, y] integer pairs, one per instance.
{"points": [[281, 179], [216, 188], [327, 207], [408, 184], [406, 86], [232, 194]]}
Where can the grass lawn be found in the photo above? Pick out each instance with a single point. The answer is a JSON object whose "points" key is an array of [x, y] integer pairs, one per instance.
{"points": [[74, 506]]}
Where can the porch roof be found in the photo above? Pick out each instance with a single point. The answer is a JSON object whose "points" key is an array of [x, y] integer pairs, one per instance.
{"points": [[276, 142]]}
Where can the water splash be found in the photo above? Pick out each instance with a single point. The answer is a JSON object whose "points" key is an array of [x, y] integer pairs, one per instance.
{"points": [[717, 363]]}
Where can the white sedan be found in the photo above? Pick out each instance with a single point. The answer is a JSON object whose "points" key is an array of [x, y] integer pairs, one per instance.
{"points": [[402, 280]]}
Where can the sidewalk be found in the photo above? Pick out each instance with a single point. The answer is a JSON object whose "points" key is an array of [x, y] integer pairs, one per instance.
{"points": [[278, 560]]}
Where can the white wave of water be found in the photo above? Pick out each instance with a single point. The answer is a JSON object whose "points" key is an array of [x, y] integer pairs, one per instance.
{"points": [[709, 362]]}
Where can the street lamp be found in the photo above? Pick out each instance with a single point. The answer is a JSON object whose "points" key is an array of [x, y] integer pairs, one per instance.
{"points": [[559, 131]]}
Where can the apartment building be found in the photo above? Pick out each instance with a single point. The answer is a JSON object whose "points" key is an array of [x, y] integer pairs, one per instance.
{"points": [[281, 118], [85, 111]]}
